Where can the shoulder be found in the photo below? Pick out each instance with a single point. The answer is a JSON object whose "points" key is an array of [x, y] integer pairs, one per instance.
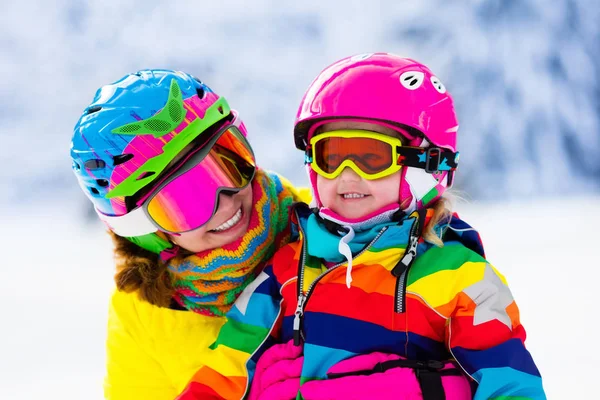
{"points": [[439, 274], [138, 318], [454, 255]]}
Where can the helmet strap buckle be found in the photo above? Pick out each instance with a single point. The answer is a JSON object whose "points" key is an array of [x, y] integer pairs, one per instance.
{"points": [[433, 159], [308, 159]]}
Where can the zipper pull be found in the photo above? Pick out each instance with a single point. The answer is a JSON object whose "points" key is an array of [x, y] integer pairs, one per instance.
{"points": [[408, 257], [412, 250], [297, 319]]}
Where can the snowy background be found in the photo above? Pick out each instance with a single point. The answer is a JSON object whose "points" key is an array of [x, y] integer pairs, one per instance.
{"points": [[525, 77]]}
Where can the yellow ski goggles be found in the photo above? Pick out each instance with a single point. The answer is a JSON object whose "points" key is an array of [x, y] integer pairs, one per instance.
{"points": [[371, 155]]}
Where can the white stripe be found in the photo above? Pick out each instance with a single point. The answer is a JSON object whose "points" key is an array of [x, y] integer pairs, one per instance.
{"points": [[242, 301]]}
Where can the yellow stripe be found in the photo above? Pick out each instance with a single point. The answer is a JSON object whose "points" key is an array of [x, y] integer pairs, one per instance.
{"points": [[441, 287], [381, 258], [310, 274], [228, 362]]}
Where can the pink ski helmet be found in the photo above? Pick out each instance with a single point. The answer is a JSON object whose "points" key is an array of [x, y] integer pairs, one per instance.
{"points": [[396, 92]]}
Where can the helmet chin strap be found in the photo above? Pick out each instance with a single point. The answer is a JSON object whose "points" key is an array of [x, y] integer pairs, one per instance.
{"points": [[337, 223]]}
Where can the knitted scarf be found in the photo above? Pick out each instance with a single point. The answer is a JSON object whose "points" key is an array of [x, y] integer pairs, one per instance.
{"points": [[209, 282]]}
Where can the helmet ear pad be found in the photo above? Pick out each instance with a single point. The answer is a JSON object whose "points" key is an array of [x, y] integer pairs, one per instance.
{"points": [[406, 197], [421, 188], [312, 177]]}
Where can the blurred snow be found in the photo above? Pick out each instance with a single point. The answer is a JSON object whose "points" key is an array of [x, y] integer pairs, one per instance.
{"points": [[57, 278], [524, 77]]}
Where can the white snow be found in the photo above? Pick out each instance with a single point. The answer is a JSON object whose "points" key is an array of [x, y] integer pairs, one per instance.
{"points": [[57, 276]]}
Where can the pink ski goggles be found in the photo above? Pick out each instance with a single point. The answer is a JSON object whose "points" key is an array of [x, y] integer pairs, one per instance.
{"points": [[187, 198]]}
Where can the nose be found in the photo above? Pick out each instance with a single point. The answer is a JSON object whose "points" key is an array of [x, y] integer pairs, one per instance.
{"points": [[226, 200], [349, 175]]}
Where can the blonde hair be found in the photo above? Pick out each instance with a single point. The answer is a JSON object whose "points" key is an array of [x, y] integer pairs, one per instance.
{"points": [[442, 212], [142, 271]]}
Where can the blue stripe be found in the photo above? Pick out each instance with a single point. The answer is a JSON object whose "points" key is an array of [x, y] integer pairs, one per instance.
{"points": [[270, 286], [396, 236], [287, 329], [511, 353], [355, 336], [424, 348], [262, 311], [500, 382], [318, 359], [362, 337]]}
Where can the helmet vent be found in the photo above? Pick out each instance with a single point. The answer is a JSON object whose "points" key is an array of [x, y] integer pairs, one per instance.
{"points": [[145, 175], [76, 166], [174, 111], [93, 109], [156, 125], [94, 164], [220, 109], [438, 85], [121, 158], [130, 128], [94, 190], [102, 182], [412, 79], [200, 91]]}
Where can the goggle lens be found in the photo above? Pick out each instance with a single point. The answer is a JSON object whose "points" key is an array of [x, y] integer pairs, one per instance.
{"points": [[189, 198], [370, 155]]}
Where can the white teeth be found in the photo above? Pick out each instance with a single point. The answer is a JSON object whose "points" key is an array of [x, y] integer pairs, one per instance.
{"points": [[228, 224], [353, 196]]}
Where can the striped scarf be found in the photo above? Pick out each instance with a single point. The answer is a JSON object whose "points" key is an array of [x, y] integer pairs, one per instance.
{"points": [[209, 282]]}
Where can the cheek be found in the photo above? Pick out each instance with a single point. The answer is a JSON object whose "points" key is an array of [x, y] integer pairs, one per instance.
{"points": [[192, 241], [247, 198], [326, 189], [387, 189]]}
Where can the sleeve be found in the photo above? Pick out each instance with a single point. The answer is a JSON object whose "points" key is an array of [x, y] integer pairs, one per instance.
{"points": [[486, 338], [132, 373], [252, 327]]}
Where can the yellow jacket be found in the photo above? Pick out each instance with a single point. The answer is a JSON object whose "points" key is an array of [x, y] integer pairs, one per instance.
{"points": [[153, 351]]}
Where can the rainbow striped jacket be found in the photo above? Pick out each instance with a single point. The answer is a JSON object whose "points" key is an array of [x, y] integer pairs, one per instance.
{"points": [[450, 303]]}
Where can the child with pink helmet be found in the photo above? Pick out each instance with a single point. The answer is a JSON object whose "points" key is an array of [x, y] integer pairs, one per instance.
{"points": [[386, 294]]}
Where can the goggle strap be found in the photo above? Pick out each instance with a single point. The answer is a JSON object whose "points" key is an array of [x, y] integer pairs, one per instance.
{"points": [[308, 158], [431, 159]]}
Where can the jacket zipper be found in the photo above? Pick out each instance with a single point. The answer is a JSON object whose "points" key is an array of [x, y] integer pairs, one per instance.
{"points": [[406, 261], [303, 298]]}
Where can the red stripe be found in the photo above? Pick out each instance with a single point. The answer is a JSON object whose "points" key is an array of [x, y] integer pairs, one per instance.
{"points": [[481, 336], [353, 303], [422, 320], [196, 390]]}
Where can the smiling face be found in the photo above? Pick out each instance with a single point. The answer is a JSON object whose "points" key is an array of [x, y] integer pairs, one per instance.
{"points": [[350, 195], [228, 224]]}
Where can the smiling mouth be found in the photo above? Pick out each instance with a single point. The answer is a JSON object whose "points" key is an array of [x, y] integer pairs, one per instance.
{"points": [[353, 195], [229, 223]]}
